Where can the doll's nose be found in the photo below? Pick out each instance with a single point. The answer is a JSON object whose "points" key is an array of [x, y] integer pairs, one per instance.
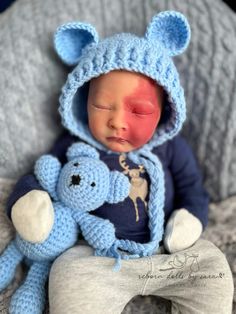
{"points": [[118, 121], [75, 180]]}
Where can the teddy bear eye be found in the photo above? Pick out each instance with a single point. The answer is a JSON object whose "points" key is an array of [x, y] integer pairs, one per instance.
{"points": [[93, 184], [76, 164]]}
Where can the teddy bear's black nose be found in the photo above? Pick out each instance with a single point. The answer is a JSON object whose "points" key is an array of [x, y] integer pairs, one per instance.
{"points": [[75, 180]]}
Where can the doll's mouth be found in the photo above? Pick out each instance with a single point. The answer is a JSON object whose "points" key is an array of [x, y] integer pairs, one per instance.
{"points": [[116, 139]]}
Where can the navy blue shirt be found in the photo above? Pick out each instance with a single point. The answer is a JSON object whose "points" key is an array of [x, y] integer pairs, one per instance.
{"points": [[183, 186]]}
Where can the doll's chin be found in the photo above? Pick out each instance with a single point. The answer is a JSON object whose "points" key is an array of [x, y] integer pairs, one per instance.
{"points": [[119, 148]]}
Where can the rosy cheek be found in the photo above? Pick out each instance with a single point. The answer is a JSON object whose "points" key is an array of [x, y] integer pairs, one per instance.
{"points": [[141, 129]]}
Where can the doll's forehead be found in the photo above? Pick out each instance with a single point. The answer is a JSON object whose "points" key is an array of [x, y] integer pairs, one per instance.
{"points": [[122, 76], [124, 83]]}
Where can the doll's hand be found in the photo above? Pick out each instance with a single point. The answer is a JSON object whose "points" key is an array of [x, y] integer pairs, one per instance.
{"points": [[182, 230], [98, 232], [33, 216]]}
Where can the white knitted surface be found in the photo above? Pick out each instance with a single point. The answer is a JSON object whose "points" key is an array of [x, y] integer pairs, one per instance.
{"points": [[32, 75]]}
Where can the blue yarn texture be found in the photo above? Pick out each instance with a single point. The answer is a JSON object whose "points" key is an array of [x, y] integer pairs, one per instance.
{"points": [[83, 184], [78, 44], [167, 35]]}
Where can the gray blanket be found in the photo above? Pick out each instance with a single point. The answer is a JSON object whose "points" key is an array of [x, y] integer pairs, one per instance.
{"points": [[31, 78], [32, 75]]}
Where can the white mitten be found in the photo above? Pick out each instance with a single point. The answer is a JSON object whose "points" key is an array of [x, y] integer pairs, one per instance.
{"points": [[33, 216], [182, 230]]}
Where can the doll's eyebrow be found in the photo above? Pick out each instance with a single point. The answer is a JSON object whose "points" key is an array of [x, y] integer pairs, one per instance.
{"points": [[103, 92], [141, 102]]}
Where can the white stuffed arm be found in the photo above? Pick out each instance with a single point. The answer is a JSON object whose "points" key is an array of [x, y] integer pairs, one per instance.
{"points": [[183, 229], [33, 216]]}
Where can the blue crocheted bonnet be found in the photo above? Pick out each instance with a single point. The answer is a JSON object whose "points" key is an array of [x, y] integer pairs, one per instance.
{"points": [[78, 45]]}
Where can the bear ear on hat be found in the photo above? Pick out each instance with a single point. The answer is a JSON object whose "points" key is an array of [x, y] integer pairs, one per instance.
{"points": [[171, 29], [71, 38], [81, 150]]}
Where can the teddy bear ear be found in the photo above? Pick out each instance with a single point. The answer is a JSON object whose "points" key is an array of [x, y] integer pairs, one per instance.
{"points": [[71, 38], [172, 29], [119, 187], [81, 150], [47, 169]]}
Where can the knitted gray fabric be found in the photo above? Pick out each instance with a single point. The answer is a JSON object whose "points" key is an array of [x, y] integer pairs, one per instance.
{"points": [[31, 78]]}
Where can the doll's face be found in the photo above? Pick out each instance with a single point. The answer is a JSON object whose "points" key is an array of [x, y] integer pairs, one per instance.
{"points": [[124, 109]]}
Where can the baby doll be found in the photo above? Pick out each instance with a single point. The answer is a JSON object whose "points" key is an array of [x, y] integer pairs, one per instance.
{"points": [[124, 98]]}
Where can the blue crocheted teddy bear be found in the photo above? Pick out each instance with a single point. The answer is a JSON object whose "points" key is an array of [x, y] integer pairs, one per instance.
{"points": [[83, 184]]}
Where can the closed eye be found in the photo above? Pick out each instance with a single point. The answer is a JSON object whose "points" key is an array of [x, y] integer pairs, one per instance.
{"points": [[141, 113], [102, 107], [140, 108]]}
